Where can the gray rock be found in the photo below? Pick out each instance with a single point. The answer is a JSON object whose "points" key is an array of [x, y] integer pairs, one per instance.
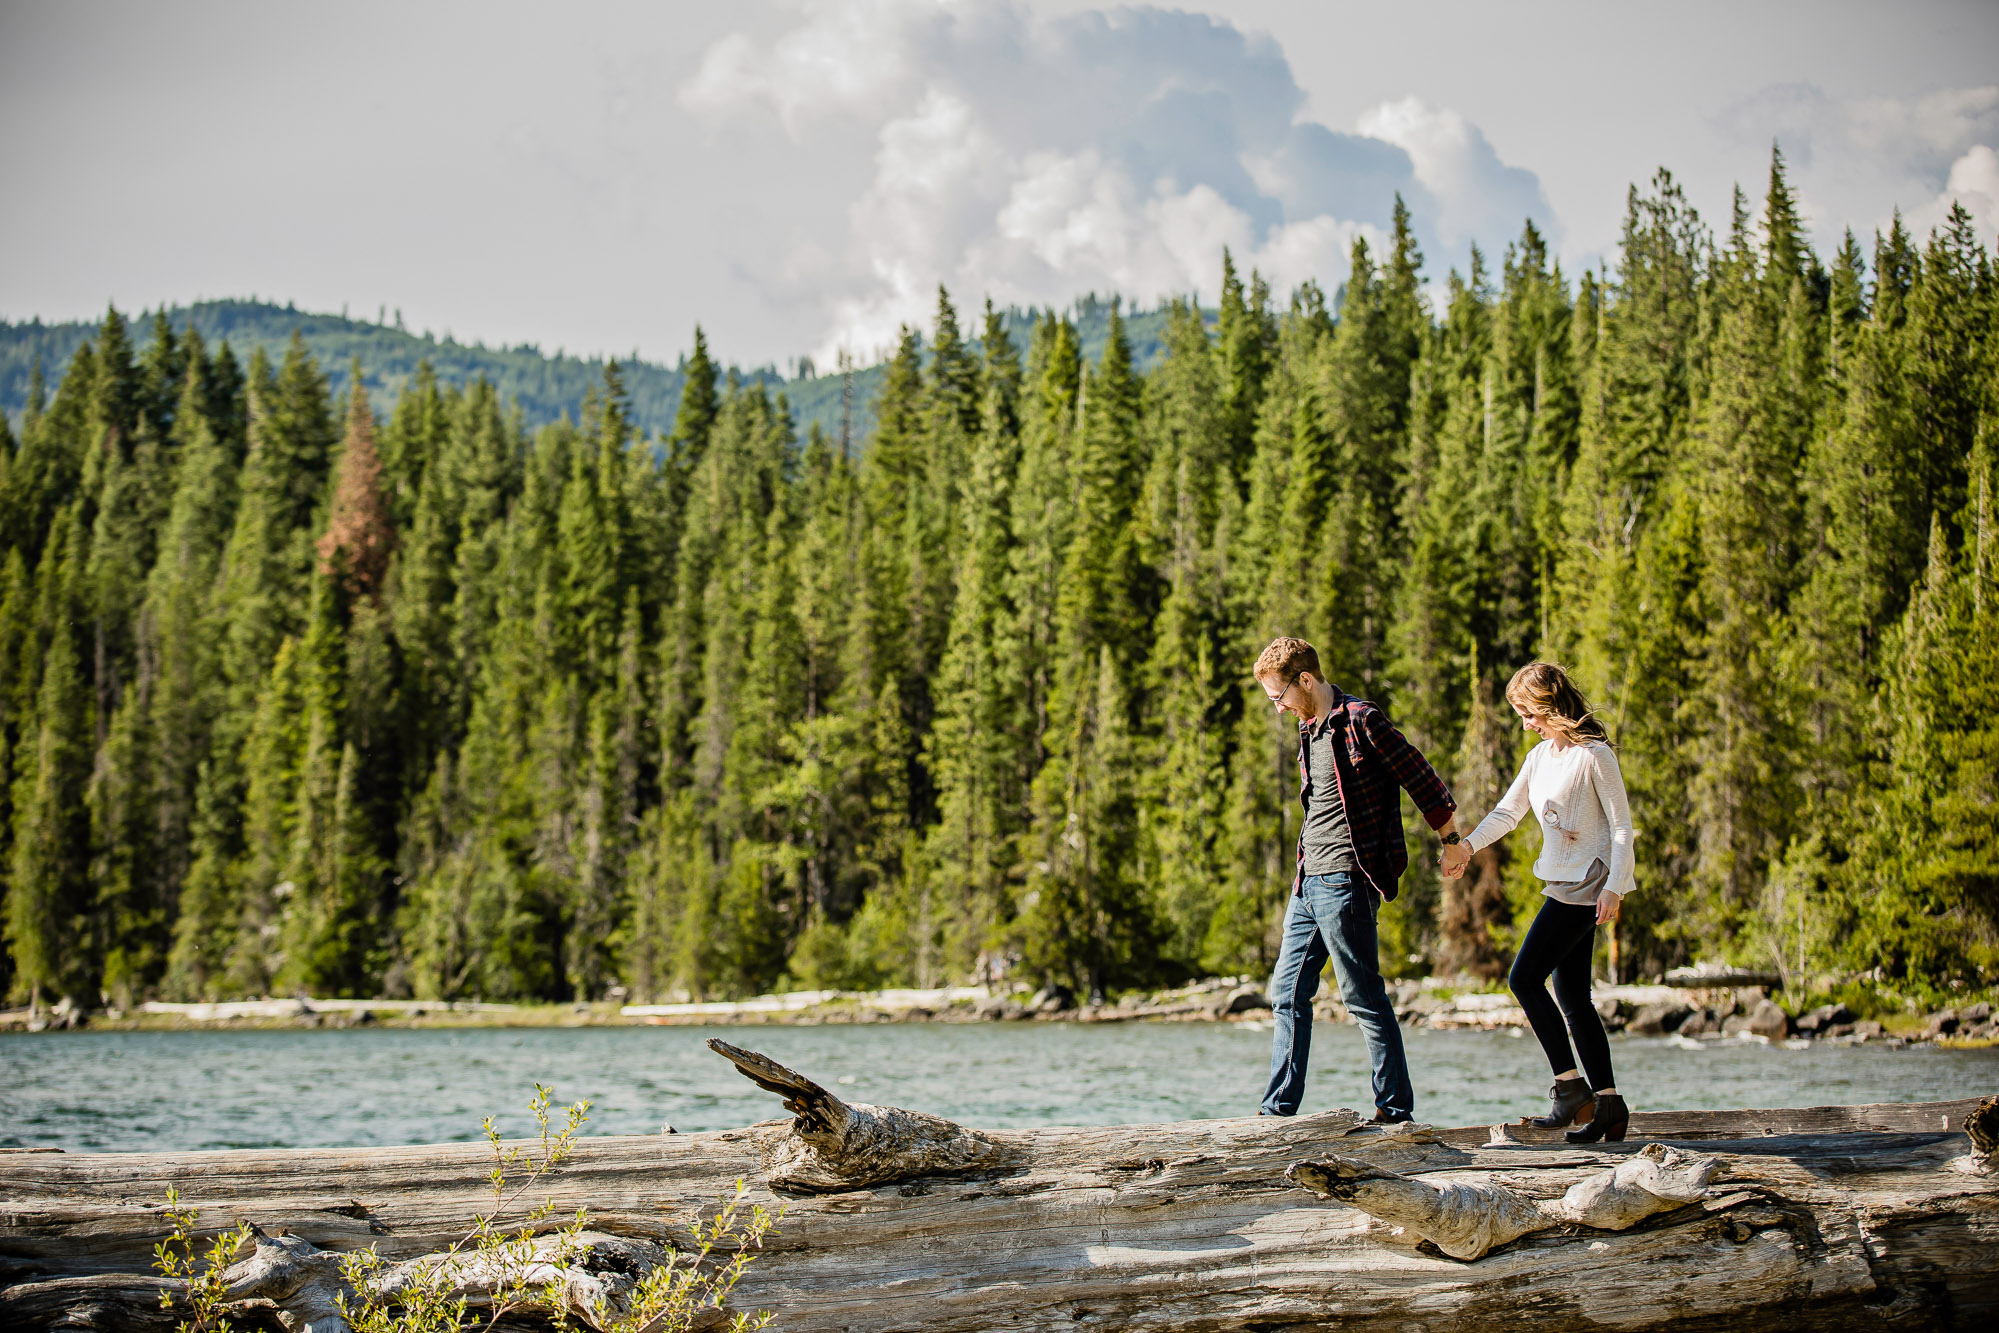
{"points": [[1329, 1007], [1769, 1020], [1867, 1029], [1824, 1017], [1052, 1000], [1654, 1020], [1975, 1013], [1423, 1003], [1243, 999], [1700, 1022]]}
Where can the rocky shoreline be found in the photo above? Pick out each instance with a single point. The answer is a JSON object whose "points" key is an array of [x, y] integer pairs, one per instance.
{"points": [[1721, 1013], [1691, 1010]]}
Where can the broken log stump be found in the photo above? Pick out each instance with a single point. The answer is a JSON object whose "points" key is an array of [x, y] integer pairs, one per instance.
{"points": [[1825, 1218]]}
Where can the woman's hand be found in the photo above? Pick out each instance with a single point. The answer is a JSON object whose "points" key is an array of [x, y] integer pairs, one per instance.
{"points": [[1606, 907]]}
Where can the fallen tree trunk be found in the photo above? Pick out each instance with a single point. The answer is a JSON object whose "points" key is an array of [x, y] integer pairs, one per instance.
{"points": [[1829, 1218]]}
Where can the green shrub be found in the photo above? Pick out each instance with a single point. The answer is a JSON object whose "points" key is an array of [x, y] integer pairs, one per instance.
{"points": [[518, 1264]]}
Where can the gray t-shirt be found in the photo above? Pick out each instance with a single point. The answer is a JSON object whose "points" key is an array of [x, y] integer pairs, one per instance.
{"points": [[1326, 842], [1580, 892]]}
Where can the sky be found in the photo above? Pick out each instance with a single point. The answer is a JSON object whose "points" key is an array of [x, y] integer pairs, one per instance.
{"points": [[798, 176]]}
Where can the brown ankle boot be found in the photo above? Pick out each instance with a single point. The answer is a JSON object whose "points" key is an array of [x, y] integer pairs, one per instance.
{"points": [[1613, 1117], [1570, 1102]]}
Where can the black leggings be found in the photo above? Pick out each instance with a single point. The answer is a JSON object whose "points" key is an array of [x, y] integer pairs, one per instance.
{"points": [[1561, 941]]}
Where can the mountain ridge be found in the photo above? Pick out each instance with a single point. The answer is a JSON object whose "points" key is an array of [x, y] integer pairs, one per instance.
{"points": [[545, 386]]}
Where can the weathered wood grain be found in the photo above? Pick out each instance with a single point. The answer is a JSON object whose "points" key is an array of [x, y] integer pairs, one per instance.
{"points": [[1828, 1218]]}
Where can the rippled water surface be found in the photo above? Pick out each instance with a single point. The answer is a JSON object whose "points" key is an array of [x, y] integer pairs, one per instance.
{"points": [[134, 1091]]}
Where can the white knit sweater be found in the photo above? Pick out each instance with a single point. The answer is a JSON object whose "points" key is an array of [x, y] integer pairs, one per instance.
{"points": [[1577, 792]]}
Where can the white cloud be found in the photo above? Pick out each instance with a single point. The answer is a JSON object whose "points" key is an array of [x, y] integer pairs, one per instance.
{"points": [[1855, 160], [1030, 158], [1922, 136], [1973, 182], [844, 59], [1476, 195]]}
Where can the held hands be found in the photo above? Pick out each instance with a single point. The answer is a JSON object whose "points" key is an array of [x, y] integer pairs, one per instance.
{"points": [[1455, 857], [1606, 907]]}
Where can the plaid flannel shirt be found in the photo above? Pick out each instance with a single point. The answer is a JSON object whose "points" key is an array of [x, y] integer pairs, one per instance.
{"points": [[1370, 761]]}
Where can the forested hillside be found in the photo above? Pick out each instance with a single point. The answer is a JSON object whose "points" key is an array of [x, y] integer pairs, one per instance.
{"points": [[296, 697], [543, 386]]}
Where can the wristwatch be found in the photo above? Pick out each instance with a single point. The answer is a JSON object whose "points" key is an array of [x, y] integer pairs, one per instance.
{"points": [[1453, 839]]}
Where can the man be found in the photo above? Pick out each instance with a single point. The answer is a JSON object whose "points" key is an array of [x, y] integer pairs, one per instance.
{"points": [[1350, 860]]}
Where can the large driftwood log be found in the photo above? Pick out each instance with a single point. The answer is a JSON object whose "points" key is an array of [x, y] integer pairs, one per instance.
{"points": [[1467, 1219], [593, 1275], [836, 1146], [1828, 1218]]}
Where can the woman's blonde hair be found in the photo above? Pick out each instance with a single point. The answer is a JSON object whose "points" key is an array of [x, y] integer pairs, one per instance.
{"points": [[1545, 691]]}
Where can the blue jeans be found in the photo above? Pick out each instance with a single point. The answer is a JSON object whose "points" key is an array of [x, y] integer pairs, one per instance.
{"points": [[1333, 918]]}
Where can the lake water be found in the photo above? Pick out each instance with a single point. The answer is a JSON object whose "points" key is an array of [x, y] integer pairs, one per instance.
{"points": [[137, 1091]]}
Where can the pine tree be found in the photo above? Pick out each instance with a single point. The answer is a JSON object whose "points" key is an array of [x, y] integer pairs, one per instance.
{"points": [[610, 803], [1189, 680], [1625, 613], [7, 447], [179, 625], [1749, 443], [237, 860], [1041, 522], [1922, 896], [315, 929], [1089, 925], [1474, 917], [1245, 337], [131, 466], [1448, 596], [49, 889], [418, 434], [271, 761], [443, 599], [1349, 471], [694, 421], [360, 533], [47, 468], [972, 746], [1869, 527], [1636, 404], [17, 638], [1949, 377], [824, 571]]}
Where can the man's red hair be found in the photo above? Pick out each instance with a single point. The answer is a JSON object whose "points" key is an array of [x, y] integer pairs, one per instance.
{"points": [[1287, 657]]}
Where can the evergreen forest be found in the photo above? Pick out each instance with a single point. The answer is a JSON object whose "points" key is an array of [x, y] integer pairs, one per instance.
{"points": [[296, 697], [542, 387]]}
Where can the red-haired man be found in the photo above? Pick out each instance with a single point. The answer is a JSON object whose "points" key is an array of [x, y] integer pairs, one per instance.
{"points": [[1353, 764]]}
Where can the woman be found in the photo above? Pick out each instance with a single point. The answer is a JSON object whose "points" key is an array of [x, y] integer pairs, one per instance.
{"points": [[1571, 782]]}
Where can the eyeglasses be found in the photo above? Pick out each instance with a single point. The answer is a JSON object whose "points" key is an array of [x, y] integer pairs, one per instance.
{"points": [[1277, 700]]}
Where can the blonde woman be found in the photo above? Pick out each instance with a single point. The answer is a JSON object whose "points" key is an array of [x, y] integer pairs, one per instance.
{"points": [[1571, 783]]}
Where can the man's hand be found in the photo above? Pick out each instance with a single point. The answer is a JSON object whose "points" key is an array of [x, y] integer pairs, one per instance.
{"points": [[1456, 856], [1606, 906]]}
